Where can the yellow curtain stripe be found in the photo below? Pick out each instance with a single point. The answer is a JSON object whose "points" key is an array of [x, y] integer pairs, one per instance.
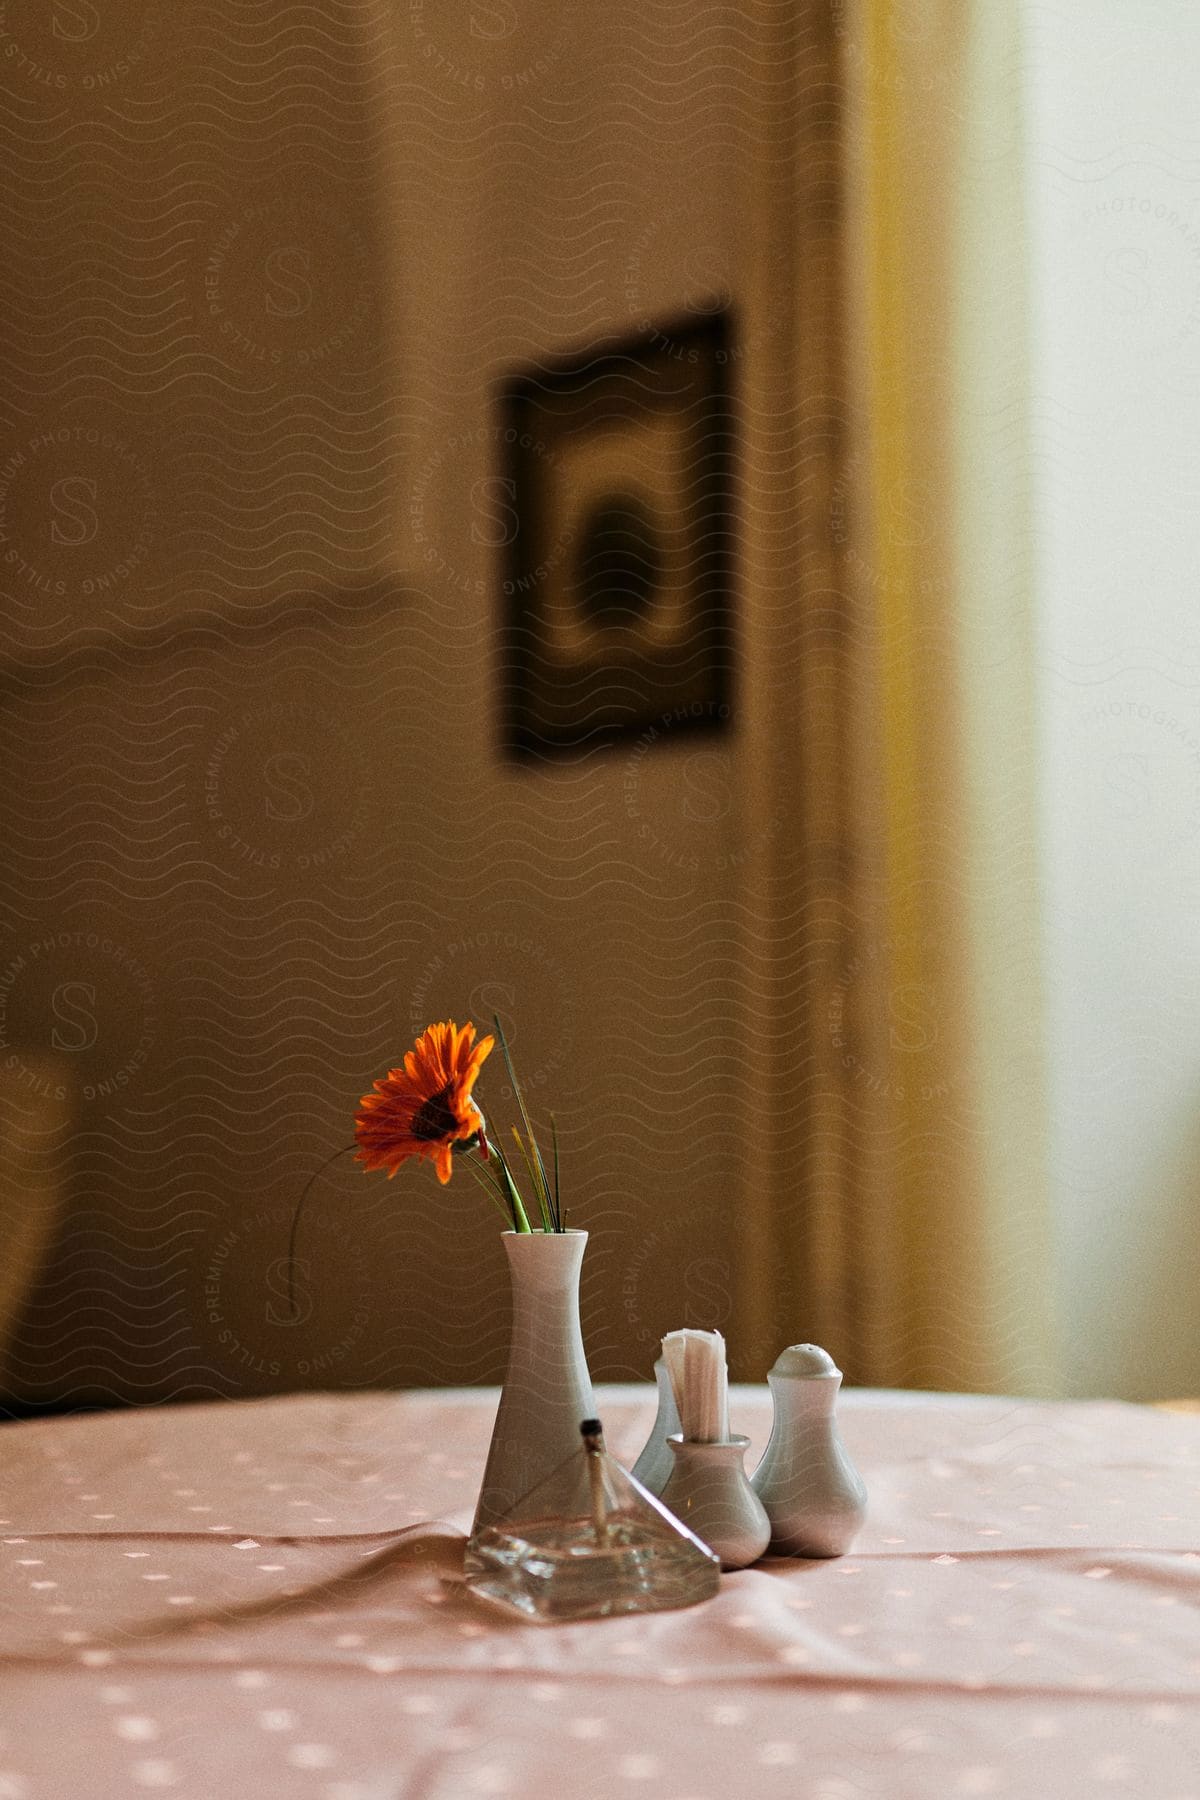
{"points": [[888, 316]]}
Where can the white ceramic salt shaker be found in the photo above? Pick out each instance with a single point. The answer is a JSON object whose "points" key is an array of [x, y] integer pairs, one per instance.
{"points": [[653, 1467], [813, 1494]]}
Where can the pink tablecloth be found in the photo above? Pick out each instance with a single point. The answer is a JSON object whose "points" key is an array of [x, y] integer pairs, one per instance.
{"points": [[212, 1602]]}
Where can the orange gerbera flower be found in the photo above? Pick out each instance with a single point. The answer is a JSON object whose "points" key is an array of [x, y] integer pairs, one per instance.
{"points": [[424, 1108]]}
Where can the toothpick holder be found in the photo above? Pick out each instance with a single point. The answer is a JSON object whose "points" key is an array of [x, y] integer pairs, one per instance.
{"points": [[708, 1492]]}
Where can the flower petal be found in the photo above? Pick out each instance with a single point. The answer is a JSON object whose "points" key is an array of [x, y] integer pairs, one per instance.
{"points": [[392, 1123]]}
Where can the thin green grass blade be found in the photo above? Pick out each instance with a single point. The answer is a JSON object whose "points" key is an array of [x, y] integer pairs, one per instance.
{"points": [[543, 1202], [540, 1181], [291, 1255], [494, 1192], [558, 1218]]}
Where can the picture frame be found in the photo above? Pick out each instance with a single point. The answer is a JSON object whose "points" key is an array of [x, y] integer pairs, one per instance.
{"points": [[616, 561]]}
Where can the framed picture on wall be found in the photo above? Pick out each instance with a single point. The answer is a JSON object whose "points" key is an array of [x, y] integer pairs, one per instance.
{"points": [[617, 554]]}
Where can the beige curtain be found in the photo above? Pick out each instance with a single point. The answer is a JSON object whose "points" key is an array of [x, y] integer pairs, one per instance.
{"points": [[921, 1250]]}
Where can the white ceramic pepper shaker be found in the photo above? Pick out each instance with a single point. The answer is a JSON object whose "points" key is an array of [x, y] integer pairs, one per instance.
{"points": [[813, 1494], [653, 1467]]}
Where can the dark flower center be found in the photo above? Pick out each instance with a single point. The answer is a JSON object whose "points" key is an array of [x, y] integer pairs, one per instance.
{"points": [[433, 1118]]}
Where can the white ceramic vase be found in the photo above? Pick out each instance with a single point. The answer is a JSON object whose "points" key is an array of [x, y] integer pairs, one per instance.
{"points": [[708, 1491], [814, 1496], [547, 1390]]}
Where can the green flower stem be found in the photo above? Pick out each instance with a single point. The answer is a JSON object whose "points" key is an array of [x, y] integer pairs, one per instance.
{"points": [[520, 1217]]}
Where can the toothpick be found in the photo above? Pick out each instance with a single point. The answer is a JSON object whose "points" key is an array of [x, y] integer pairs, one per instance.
{"points": [[700, 1379]]}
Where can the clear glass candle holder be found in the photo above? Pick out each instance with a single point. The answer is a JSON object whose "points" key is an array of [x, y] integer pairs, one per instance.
{"points": [[590, 1542]]}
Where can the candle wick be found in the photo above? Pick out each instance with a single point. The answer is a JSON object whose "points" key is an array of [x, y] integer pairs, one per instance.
{"points": [[593, 1444]]}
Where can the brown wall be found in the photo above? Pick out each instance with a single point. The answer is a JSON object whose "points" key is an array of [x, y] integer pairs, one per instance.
{"points": [[262, 268]]}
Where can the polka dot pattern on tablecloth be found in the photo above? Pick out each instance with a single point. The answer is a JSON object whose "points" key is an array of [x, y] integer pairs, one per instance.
{"points": [[216, 1600]]}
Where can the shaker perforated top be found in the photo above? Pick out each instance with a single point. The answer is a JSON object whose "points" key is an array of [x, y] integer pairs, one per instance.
{"points": [[805, 1359]]}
